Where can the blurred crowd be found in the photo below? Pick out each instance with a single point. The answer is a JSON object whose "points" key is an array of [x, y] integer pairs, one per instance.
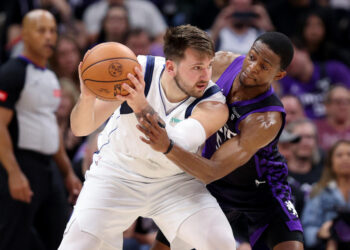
{"points": [[315, 93]]}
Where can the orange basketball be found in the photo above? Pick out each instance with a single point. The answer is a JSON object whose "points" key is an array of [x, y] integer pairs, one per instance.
{"points": [[105, 68]]}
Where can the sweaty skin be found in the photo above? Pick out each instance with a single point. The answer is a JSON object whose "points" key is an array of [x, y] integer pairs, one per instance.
{"points": [[259, 70], [257, 130]]}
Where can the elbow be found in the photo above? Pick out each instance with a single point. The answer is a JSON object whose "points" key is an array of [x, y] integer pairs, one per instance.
{"points": [[211, 175], [78, 132], [206, 180]]}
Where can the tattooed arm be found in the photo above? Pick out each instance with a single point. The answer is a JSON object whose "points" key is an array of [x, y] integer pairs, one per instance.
{"points": [[137, 99]]}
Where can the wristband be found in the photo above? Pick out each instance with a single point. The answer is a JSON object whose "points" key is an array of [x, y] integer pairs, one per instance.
{"points": [[171, 145]]}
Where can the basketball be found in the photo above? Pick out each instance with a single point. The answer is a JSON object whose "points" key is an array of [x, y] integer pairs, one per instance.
{"points": [[105, 68]]}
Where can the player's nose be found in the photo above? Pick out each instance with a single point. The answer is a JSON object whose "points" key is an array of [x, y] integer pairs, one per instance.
{"points": [[206, 74]]}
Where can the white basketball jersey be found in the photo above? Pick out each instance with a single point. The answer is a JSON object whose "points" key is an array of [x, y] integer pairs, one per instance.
{"points": [[119, 143]]}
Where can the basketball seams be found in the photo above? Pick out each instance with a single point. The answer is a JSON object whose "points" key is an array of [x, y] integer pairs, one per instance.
{"points": [[114, 58], [100, 96], [101, 72], [122, 80]]}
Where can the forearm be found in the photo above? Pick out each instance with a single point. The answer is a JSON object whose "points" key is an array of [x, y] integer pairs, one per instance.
{"points": [[82, 118], [195, 165], [227, 159], [7, 157], [90, 113]]}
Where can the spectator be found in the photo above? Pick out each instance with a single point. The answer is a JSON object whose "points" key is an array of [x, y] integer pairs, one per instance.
{"points": [[285, 13], [310, 81], [211, 8], [115, 25], [293, 107], [306, 161], [238, 25], [16, 10], [66, 59], [77, 30], [34, 209], [69, 96], [140, 235], [329, 195], [343, 4], [139, 42], [317, 38], [141, 14], [285, 142], [336, 124]]}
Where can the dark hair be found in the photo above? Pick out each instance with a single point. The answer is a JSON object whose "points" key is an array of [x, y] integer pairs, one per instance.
{"points": [[324, 15], [178, 39], [280, 44], [327, 172], [102, 36], [53, 61]]}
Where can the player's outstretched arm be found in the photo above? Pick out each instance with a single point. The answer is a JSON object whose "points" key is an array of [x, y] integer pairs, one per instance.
{"points": [[89, 112], [257, 131]]}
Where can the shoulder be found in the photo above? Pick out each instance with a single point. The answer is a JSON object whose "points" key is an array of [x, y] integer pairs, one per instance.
{"points": [[13, 72], [265, 125], [13, 65], [264, 119], [153, 61], [222, 60]]}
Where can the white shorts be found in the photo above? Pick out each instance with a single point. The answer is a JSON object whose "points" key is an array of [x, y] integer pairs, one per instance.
{"points": [[108, 205]]}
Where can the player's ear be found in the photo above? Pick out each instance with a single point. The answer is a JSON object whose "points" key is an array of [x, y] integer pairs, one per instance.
{"points": [[170, 67], [280, 74]]}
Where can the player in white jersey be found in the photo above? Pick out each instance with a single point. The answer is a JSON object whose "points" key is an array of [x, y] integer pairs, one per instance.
{"points": [[127, 178]]}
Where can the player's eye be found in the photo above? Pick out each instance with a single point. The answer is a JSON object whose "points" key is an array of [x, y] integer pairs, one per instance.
{"points": [[264, 67]]}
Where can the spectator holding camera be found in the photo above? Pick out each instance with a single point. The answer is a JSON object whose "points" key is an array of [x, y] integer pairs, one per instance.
{"points": [[331, 194], [238, 25]]}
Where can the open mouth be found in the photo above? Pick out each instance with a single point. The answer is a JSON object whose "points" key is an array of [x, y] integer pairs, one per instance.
{"points": [[201, 85]]}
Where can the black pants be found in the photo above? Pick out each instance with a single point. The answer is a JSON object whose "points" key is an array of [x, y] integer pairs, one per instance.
{"points": [[40, 224]]}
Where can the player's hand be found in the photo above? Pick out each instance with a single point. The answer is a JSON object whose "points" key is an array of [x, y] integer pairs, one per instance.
{"points": [[136, 98], [19, 186], [85, 92], [73, 185], [155, 136]]}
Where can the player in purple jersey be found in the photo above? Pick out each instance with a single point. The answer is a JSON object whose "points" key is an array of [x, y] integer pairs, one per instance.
{"points": [[245, 173]]}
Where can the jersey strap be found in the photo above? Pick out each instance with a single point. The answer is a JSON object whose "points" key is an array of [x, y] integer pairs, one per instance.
{"points": [[125, 109], [209, 92]]}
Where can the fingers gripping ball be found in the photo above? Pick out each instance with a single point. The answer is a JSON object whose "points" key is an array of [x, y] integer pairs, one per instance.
{"points": [[105, 68]]}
